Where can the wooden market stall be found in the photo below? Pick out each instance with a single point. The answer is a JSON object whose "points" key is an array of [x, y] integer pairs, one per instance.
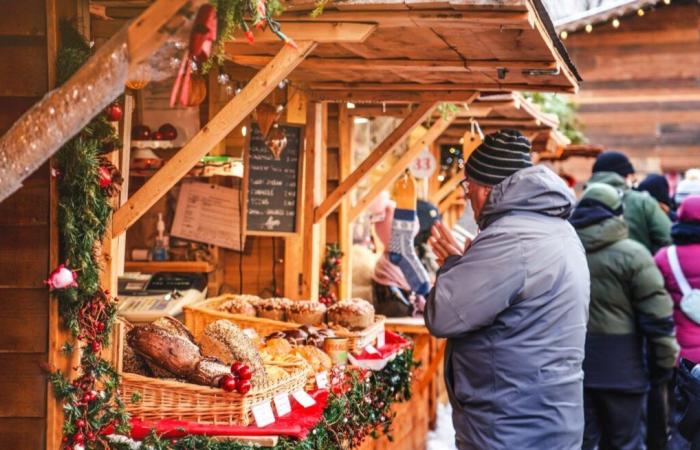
{"points": [[408, 54]]}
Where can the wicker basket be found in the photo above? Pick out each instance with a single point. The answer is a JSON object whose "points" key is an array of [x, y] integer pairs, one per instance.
{"points": [[155, 399], [198, 316]]}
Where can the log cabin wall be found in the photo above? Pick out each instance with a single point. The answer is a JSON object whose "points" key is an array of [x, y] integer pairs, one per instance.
{"points": [[27, 44], [640, 92]]}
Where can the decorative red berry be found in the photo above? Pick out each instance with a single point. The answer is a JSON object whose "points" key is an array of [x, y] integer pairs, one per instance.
{"points": [[78, 438], [100, 327], [244, 373], [228, 383], [244, 386], [80, 423], [236, 367], [90, 436], [96, 346], [114, 112]]}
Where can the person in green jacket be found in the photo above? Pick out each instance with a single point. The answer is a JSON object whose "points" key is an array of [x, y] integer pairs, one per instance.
{"points": [[630, 317], [647, 222]]}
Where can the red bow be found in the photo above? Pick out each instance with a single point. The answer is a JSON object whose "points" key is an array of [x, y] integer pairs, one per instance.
{"points": [[201, 41]]}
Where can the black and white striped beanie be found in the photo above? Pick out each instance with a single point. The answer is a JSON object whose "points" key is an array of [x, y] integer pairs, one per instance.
{"points": [[498, 157]]}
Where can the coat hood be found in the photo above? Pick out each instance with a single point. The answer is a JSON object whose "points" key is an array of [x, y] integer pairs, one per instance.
{"points": [[611, 178], [690, 209], [535, 189], [602, 234]]}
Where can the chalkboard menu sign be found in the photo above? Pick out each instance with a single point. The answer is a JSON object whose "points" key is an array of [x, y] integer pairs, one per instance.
{"points": [[272, 169]]}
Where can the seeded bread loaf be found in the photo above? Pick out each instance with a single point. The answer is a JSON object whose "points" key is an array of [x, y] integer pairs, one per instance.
{"points": [[354, 314], [226, 342]]}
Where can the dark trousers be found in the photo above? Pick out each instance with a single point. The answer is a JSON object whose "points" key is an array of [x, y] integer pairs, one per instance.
{"points": [[613, 420], [658, 416]]}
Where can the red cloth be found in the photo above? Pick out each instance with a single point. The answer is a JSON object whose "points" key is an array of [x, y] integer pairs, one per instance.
{"points": [[393, 343], [296, 424]]}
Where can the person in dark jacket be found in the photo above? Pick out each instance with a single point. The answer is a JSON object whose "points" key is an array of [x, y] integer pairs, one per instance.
{"points": [[513, 306], [630, 316], [657, 186], [647, 222]]}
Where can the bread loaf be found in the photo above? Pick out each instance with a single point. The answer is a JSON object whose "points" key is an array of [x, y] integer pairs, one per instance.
{"points": [[228, 343], [354, 314], [174, 353], [175, 327]]}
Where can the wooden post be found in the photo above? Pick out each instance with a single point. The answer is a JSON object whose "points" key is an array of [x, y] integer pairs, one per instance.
{"points": [[124, 161], [314, 192], [397, 169], [226, 120], [390, 143], [345, 125]]}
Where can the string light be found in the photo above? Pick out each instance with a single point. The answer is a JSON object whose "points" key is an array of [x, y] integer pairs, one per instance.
{"points": [[244, 130], [564, 35], [667, 2], [589, 28], [616, 23], [640, 12], [350, 105]]}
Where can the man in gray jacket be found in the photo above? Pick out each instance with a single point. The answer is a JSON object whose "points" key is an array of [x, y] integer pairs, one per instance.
{"points": [[513, 306]]}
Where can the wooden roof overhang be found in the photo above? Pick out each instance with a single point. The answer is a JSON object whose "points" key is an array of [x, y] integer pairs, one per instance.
{"points": [[418, 50]]}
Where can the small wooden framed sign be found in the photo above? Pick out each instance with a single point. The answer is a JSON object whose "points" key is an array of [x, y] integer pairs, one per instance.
{"points": [[272, 181]]}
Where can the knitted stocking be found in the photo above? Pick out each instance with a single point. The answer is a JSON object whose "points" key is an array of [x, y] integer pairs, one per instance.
{"points": [[403, 254]]}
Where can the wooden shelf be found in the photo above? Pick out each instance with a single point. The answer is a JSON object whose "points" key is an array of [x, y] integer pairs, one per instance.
{"points": [[169, 266]]}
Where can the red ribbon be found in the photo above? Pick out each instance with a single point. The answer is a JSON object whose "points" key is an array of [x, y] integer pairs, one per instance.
{"points": [[201, 42]]}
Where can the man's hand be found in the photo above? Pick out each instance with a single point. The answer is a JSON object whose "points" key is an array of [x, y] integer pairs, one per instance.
{"points": [[444, 244]]}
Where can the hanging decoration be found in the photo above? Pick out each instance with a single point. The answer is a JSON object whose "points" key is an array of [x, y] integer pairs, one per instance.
{"points": [[330, 274], [136, 85]]}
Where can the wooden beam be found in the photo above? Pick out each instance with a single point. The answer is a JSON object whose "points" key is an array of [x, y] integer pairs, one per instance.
{"points": [[421, 65], [449, 201], [420, 18], [345, 128], [226, 120], [314, 190], [322, 33], [396, 137], [417, 96], [402, 164], [447, 187], [438, 87]]}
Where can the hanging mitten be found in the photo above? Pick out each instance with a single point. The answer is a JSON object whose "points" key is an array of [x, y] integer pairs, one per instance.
{"points": [[403, 254]]}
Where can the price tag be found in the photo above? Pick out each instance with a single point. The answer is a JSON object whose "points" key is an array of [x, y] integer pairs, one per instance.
{"points": [[282, 404], [322, 380], [381, 342], [424, 165], [304, 399], [371, 349], [263, 415]]}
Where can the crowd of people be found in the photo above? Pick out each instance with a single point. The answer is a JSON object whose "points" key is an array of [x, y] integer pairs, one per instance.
{"points": [[570, 323]]}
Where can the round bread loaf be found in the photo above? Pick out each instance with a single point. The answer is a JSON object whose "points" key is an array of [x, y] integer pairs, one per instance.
{"points": [[226, 342], [238, 305], [274, 308], [306, 312], [354, 314]]}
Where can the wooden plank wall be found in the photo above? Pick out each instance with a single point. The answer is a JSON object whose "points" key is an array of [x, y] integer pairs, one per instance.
{"points": [[24, 237], [640, 92]]}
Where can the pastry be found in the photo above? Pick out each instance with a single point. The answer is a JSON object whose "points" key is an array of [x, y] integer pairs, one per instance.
{"points": [[275, 373], [278, 347], [274, 308], [228, 343], [165, 350], [239, 305], [306, 312], [318, 360], [354, 314]]}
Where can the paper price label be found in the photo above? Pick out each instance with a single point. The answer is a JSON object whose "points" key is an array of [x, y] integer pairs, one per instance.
{"points": [[282, 404], [371, 349], [304, 399], [322, 380], [263, 415]]}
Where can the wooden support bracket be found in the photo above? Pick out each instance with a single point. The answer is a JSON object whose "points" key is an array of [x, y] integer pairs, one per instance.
{"points": [[447, 187], [396, 137], [402, 164], [322, 33], [226, 120]]}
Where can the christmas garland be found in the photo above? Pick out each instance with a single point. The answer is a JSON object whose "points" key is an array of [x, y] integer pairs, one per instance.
{"points": [[362, 410], [330, 274], [86, 182]]}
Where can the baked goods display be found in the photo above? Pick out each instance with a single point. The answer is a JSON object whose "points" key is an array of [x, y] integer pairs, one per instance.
{"points": [[240, 305], [274, 308], [316, 358], [228, 343], [306, 312], [304, 335], [353, 314]]}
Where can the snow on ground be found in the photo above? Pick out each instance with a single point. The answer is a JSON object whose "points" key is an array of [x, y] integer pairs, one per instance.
{"points": [[443, 438]]}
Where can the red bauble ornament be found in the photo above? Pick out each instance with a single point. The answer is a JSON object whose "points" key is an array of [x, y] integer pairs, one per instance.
{"points": [[244, 373], [235, 367], [114, 112], [244, 386], [140, 133], [104, 175], [228, 383], [96, 347], [169, 132], [157, 136]]}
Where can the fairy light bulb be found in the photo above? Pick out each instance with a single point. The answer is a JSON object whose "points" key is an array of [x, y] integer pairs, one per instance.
{"points": [[564, 35], [616, 23], [640, 12], [244, 131], [589, 28], [350, 105], [667, 2]]}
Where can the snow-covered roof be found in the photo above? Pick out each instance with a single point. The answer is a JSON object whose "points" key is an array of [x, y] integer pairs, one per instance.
{"points": [[571, 15]]}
